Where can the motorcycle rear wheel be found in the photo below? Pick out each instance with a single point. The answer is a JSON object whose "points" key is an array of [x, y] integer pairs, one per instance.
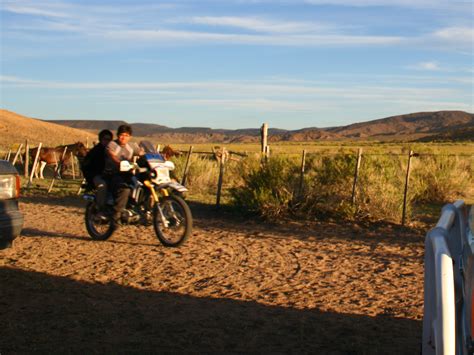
{"points": [[180, 221], [98, 229]]}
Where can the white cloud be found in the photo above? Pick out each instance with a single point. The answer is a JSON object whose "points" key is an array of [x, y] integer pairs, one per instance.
{"points": [[193, 37], [458, 34], [217, 89], [428, 66], [258, 24], [33, 10], [155, 23]]}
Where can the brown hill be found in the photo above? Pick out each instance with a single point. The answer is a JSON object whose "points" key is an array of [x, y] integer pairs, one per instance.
{"points": [[420, 124], [307, 135], [411, 127], [15, 128], [461, 134]]}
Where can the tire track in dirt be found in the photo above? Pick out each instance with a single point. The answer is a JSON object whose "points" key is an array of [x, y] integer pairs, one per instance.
{"points": [[222, 260]]}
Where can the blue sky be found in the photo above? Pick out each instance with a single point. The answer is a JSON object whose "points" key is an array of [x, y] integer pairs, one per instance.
{"points": [[236, 63]]}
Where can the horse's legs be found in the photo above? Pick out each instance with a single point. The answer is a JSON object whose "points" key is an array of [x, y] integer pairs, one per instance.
{"points": [[37, 169], [41, 169]]}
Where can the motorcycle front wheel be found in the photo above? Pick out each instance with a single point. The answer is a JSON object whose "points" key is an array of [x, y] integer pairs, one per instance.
{"points": [[99, 227], [178, 221]]}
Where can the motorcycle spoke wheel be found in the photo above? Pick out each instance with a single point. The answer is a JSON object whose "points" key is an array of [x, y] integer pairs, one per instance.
{"points": [[179, 221], [98, 227]]}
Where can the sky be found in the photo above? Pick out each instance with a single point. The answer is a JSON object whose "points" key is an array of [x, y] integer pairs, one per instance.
{"points": [[236, 63]]}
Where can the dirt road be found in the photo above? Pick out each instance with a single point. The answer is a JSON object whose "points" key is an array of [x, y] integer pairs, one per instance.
{"points": [[236, 286]]}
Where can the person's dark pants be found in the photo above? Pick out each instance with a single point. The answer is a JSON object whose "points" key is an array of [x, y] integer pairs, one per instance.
{"points": [[121, 191]]}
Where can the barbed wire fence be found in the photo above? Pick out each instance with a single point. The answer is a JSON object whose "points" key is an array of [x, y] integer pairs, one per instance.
{"points": [[223, 156]]}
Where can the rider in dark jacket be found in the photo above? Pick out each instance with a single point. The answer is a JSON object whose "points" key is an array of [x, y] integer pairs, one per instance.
{"points": [[93, 167]]}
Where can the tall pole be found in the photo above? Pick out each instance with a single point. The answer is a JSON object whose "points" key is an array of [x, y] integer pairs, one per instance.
{"points": [[303, 163], [186, 167], [264, 134], [222, 162], [27, 158], [33, 168], [356, 175], [405, 193]]}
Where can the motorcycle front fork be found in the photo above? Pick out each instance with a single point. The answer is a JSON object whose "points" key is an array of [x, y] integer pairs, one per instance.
{"points": [[163, 219]]}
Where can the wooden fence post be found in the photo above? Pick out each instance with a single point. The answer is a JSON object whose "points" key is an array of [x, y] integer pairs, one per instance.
{"points": [[186, 166], [264, 138], [73, 162], [35, 162], [7, 156], [221, 176], [17, 154], [27, 158], [356, 176], [303, 163], [58, 167], [407, 178]]}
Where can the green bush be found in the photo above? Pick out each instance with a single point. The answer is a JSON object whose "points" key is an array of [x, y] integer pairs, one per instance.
{"points": [[329, 185], [267, 188]]}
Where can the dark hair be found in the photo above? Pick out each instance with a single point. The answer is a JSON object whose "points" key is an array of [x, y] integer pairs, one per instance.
{"points": [[105, 132], [125, 128]]}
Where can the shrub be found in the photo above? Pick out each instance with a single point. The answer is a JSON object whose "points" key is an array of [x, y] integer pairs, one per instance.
{"points": [[267, 189], [441, 179]]}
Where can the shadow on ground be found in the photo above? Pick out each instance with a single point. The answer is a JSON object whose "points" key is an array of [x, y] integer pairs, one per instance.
{"points": [[42, 313]]}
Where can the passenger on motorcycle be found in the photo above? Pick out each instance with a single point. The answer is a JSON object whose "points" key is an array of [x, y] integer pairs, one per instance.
{"points": [[93, 168], [117, 151]]}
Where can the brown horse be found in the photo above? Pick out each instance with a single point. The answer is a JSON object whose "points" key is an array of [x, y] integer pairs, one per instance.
{"points": [[167, 152], [50, 156]]}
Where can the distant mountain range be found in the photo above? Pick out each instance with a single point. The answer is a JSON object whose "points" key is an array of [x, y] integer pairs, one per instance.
{"points": [[424, 126]]}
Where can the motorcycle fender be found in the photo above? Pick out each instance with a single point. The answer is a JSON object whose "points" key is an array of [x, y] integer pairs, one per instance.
{"points": [[172, 185]]}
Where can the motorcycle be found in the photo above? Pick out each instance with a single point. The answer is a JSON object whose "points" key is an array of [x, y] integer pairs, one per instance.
{"points": [[154, 199]]}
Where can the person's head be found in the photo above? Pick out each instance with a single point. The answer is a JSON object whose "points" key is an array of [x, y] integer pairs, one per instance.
{"points": [[124, 132], [105, 136]]}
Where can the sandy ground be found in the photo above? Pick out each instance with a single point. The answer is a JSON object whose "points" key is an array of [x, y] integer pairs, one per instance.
{"points": [[236, 286]]}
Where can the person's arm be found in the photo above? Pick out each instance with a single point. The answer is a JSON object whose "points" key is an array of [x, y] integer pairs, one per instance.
{"points": [[111, 151], [137, 150]]}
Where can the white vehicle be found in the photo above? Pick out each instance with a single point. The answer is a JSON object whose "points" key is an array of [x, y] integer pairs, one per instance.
{"points": [[448, 320]]}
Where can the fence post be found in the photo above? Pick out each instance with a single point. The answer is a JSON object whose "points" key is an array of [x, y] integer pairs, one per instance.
{"points": [[35, 162], [17, 154], [407, 178], [356, 175], [303, 163], [158, 146], [186, 166], [27, 158], [222, 161], [58, 167], [73, 162], [264, 138], [7, 156]]}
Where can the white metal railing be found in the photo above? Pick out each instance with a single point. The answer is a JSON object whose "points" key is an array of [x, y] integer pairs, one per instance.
{"points": [[449, 275]]}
